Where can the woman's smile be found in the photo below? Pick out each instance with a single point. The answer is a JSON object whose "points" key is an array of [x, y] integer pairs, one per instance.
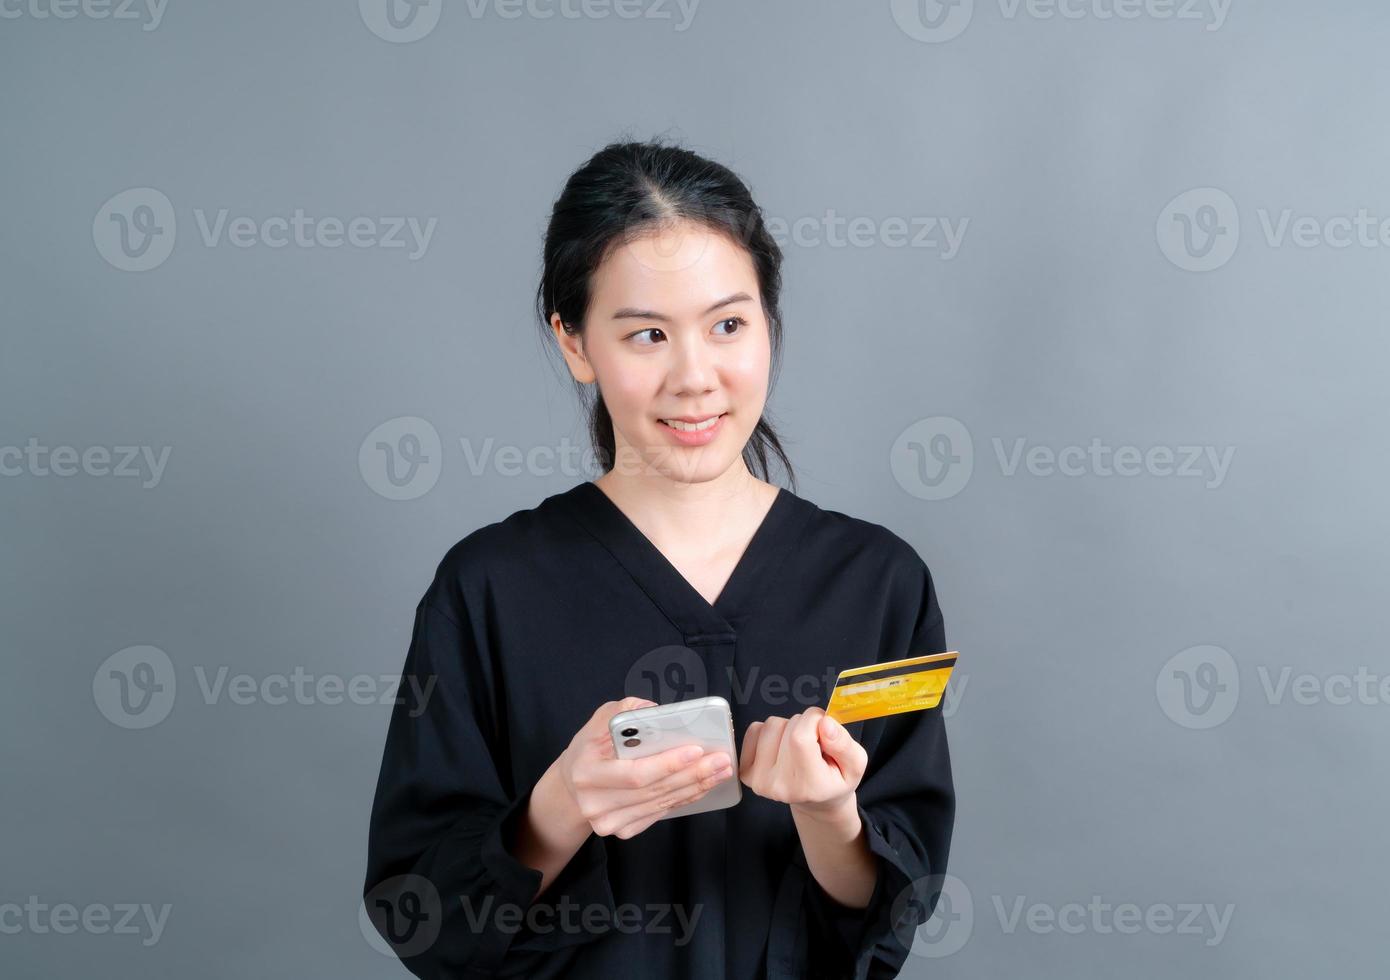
{"points": [[691, 433]]}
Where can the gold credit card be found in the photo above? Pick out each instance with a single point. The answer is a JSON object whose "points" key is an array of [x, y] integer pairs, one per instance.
{"points": [[914, 684]]}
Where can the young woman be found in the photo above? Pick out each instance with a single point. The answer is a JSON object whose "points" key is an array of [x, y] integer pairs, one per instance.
{"points": [[506, 838]]}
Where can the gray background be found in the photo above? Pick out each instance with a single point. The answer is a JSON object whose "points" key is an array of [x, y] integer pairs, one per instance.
{"points": [[1065, 316]]}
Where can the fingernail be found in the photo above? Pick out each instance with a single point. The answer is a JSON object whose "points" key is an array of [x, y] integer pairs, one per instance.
{"points": [[691, 752], [721, 759]]}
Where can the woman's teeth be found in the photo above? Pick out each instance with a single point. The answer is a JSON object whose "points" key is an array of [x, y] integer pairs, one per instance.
{"points": [[692, 426]]}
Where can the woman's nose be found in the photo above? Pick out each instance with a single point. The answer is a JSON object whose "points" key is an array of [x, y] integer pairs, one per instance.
{"points": [[692, 367]]}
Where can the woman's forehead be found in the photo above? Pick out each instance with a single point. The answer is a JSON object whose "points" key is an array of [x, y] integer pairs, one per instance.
{"points": [[678, 271]]}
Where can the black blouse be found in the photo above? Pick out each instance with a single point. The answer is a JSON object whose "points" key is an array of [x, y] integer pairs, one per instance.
{"points": [[533, 622]]}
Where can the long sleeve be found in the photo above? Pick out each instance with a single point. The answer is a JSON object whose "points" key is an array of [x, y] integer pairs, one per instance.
{"points": [[906, 801], [441, 883]]}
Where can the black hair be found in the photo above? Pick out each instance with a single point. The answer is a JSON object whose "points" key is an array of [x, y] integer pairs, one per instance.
{"points": [[622, 192]]}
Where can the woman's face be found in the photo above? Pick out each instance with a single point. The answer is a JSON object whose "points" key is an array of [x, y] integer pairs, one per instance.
{"points": [[676, 331]]}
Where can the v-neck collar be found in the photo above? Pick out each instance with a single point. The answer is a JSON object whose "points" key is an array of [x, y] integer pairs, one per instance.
{"points": [[664, 584]]}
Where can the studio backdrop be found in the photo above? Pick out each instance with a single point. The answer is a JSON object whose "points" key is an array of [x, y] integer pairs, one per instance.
{"points": [[1085, 299]]}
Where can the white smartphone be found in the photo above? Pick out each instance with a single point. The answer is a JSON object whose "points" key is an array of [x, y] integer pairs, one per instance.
{"points": [[707, 722]]}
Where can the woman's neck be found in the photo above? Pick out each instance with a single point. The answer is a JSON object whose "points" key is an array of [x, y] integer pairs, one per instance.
{"points": [[692, 518]]}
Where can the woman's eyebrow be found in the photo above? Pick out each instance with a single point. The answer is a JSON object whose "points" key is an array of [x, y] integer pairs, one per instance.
{"points": [[629, 313]]}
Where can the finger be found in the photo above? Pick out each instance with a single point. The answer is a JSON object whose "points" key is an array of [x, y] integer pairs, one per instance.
{"points": [[768, 740], [641, 824], [595, 736], [803, 738], [621, 797], [638, 773], [611, 784], [601, 746], [786, 748], [806, 725], [601, 717], [750, 748], [843, 749], [711, 764], [651, 810]]}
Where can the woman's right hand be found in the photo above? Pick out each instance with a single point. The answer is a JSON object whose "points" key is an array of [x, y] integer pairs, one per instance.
{"points": [[623, 797]]}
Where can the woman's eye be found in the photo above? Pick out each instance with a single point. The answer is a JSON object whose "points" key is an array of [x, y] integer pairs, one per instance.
{"points": [[649, 330], [738, 321]]}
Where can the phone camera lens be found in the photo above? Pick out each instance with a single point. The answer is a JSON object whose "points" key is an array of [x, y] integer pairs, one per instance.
{"points": [[629, 732], [632, 741]]}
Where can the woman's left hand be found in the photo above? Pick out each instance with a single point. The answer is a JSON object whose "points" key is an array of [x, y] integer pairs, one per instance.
{"points": [[808, 761]]}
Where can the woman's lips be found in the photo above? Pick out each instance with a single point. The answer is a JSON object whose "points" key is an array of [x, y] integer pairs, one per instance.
{"points": [[698, 437]]}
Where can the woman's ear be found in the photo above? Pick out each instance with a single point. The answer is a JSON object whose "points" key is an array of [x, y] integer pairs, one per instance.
{"points": [[572, 346]]}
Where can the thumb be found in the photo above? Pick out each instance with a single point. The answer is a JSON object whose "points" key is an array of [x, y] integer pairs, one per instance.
{"points": [[600, 718], [833, 735], [837, 743]]}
